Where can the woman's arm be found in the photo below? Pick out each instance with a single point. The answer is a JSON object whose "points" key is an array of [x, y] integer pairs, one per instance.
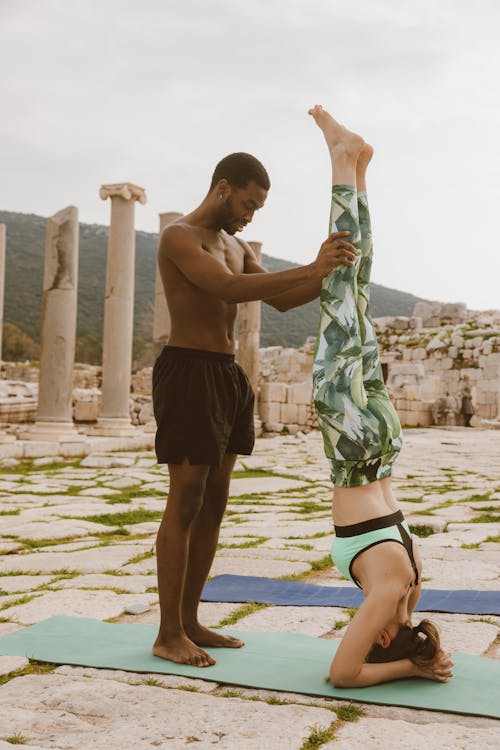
{"points": [[416, 591], [348, 668]]}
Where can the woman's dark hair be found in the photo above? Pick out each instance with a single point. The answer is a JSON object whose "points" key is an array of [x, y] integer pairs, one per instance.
{"points": [[239, 169], [420, 644]]}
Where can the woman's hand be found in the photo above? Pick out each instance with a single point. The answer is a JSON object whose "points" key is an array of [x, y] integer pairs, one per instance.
{"points": [[439, 670]]}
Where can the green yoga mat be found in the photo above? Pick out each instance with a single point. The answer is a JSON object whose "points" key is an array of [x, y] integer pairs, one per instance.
{"points": [[274, 661]]}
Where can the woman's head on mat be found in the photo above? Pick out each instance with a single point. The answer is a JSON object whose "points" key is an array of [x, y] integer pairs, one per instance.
{"points": [[420, 644], [239, 187]]}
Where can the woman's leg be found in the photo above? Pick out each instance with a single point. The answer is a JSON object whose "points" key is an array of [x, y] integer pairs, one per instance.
{"points": [[372, 369], [338, 355], [373, 379], [355, 433]]}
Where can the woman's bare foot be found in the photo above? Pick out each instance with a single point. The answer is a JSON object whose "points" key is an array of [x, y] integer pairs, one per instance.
{"points": [[211, 638], [365, 155], [182, 651], [338, 138], [364, 158]]}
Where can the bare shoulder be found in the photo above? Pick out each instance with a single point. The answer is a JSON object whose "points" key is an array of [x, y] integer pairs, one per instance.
{"points": [[177, 236]]}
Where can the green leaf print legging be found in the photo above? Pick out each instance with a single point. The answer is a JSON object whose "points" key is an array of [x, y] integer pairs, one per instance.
{"points": [[361, 430]]}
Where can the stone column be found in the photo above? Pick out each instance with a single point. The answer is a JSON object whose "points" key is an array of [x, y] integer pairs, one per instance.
{"points": [[2, 283], [4, 438], [161, 323], [249, 334], [114, 415], [57, 350]]}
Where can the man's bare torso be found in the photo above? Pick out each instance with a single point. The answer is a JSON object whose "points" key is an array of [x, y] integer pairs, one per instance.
{"points": [[200, 320]]}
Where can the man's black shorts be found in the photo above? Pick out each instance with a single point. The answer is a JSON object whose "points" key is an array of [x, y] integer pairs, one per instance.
{"points": [[203, 404]]}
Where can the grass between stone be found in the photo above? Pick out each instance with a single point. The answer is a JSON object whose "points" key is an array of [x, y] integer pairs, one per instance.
{"points": [[135, 493], [17, 739], [243, 611], [421, 531], [309, 506], [24, 599], [482, 619], [34, 667], [319, 736], [27, 466], [255, 542], [139, 515]]}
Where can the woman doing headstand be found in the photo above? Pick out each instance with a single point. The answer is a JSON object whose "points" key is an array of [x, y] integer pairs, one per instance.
{"points": [[362, 437]]}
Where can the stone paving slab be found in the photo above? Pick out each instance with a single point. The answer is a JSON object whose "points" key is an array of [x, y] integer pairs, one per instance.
{"points": [[8, 547], [299, 529], [12, 663], [470, 635], [32, 501], [386, 734], [243, 485], [134, 584], [101, 605], [56, 529], [446, 574], [87, 561], [66, 547], [98, 492], [242, 566], [211, 613], [314, 621], [91, 507], [258, 553], [46, 707], [136, 678], [12, 584], [434, 466], [9, 627], [322, 545]]}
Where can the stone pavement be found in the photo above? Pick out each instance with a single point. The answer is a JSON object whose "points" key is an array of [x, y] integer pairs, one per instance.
{"points": [[78, 538]]}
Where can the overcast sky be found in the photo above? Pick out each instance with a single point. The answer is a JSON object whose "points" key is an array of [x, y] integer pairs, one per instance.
{"points": [[156, 92]]}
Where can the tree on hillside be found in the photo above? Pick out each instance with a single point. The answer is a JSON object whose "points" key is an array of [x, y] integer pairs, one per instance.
{"points": [[17, 345], [88, 350]]}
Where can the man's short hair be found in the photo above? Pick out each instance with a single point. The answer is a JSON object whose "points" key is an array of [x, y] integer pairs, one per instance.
{"points": [[239, 169]]}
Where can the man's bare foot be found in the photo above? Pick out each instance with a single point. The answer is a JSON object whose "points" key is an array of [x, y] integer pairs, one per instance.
{"points": [[182, 651], [211, 638]]}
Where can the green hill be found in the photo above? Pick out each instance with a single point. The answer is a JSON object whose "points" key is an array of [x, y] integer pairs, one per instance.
{"points": [[24, 276]]}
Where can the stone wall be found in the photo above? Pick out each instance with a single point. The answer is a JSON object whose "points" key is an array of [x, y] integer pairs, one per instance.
{"points": [[423, 356], [426, 363], [84, 376], [280, 365]]}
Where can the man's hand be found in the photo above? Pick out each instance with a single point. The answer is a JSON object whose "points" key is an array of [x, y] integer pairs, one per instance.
{"points": [[335, 251], [440, 669]]}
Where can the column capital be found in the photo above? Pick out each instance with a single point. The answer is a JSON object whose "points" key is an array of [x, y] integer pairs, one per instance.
{"points": [[125, 190]]}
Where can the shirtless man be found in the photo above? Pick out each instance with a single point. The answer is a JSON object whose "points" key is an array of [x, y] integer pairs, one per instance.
{"points": [[203, 401]]}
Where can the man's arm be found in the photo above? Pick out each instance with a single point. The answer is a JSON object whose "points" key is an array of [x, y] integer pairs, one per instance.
{"points": [[183, 247], [299, 295]]}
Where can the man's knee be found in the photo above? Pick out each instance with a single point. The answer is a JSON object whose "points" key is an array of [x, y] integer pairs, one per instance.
{"points": [[214, 505], [185, 501]]}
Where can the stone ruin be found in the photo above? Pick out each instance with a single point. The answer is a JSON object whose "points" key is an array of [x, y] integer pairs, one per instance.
{"points": [[423, 356]]}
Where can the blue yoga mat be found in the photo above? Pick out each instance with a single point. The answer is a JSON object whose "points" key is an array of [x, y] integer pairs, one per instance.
{"points": [[229, 588], [273, 661]]}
